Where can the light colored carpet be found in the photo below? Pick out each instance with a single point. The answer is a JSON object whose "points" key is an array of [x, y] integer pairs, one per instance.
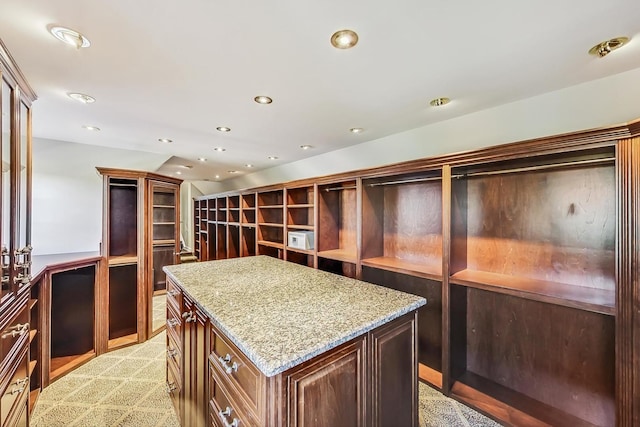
{"points": [[127, 388]]}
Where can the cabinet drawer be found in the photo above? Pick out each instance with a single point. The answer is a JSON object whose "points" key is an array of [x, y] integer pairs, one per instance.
{"points": [[17, 387], [174, 325], [174, 294], [233, 366], [14, 332], [223, 408], [174, 387], [174, 354]]}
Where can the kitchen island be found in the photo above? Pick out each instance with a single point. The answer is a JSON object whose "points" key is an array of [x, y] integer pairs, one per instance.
{"points": [[260, 341]]}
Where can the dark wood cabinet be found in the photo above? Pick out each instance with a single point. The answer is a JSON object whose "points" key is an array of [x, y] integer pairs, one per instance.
{"points": [[527, 254], [141, 234]]}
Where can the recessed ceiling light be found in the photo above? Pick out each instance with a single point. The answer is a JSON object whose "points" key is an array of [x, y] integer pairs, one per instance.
{"points": [[605, 48], [220, 149], [344, 39], [232, 171], [93, 128], [178, 173], [223, 129], [202, 159], [356, 130], [217, 176], [186, 166], [248, 165], [70, 37], [165, 140], [272, 158], [81, 97], [306, 147], [438, 102], [263, 99]]}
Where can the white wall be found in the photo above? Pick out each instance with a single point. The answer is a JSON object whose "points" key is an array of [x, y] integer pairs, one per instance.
{"points": [[67, 192], [595, 104], [188, 191]]}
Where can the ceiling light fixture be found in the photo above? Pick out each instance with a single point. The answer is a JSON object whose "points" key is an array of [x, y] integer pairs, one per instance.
{"points": [[344, 39], [272, 158], [165, 140], [220, 149], [603, 49], [223, 129], [93, 128], [248, 165], [356, 130], [438, 102], [217, 176], [186, 166], [81, 97], [232, 171], [263, 99], [306, 147], [69, 36], [178, 173], [202, 159]]}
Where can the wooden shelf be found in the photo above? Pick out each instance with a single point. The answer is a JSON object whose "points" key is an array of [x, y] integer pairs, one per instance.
{"points": [[509, 406], [271, 224], [429, 375], [164, 223], [32, 303], [168, 241], [271, 207], [300, 206], [164, 206], [32, 334], [33, 398], [123, 341], [236, 223], [301, 251], [271, 244], [345, 255], [123, 259], [300, 227], [433, 272], [32, 366], [61, 365], [249, 224], [583, 298]]}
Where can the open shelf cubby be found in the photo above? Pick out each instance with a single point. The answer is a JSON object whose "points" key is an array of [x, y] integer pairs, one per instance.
{"points": [[35, 335], [123, 299], [343, 268], [248, 241], [402, 224], [300, 208], [123, 217], [516, 358], [72, 318], [429, 316], [221, 241], [300, 258], [162, 255], [264, 248], [545, 232], [233, 241], [337, 222], [270, 198], [221, 209]]}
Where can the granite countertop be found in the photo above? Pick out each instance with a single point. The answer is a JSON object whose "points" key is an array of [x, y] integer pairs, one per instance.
{"points": [[281, 314]]}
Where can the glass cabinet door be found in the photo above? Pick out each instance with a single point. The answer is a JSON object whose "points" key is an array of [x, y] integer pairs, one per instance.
{"points": [[165, 244], [23, 238], [5, 191]]}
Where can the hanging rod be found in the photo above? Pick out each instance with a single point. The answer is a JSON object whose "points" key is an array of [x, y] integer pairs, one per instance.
{"points": [[405, 181], [536, 168], [340, 188]]}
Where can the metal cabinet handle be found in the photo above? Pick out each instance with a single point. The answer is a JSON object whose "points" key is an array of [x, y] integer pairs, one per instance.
{"points": [[224, 361], [172, 323], [172, 353], [16, 330], [173, 293], [20, 384], [223, 416], [188, 316], [170, 387]]}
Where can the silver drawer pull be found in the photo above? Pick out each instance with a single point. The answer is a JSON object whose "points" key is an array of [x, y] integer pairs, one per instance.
{"points": [[20, 384], [188, 316], [173, 323], [172, 353], [170, 387], [223, 416], [173, 293], [14, 331], [224, 361]]}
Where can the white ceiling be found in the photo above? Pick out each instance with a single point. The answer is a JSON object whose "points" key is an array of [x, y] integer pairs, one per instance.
{"points": [[178, 69]]}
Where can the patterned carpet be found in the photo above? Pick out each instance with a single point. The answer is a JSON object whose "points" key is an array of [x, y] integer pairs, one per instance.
{"points": [[127, 388]]}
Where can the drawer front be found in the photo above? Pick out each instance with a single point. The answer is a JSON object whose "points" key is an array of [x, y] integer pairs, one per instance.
{"points": [[16, 389], [174, 387], [14, 332], [233, 366], [174, 355], [174, 325], [223, 409], [174, 294]]}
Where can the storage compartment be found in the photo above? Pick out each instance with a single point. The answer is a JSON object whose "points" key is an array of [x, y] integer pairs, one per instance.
{"points": [[123, 298], [337, 221], [233, 242], [271, 215], [221, 241], [346, 269], [270, 198], [270, 235], [162, 255], [300, 240], [123, 217], [554, 363], [270, 251], [248, 241], [402, 224], [72, 319], [300, 258]]}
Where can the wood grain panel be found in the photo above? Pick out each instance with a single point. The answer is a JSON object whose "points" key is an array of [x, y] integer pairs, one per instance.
{"points": [[123, 220], [561, 357], [123, 291]]}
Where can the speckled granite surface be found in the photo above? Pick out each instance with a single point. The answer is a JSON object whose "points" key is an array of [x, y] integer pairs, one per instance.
{"points": [[281, 314]]}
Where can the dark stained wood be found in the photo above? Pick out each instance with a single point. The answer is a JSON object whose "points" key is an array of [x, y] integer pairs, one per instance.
{"points": [[233, 241], [248, 241], [123, 219], [429, 316], [510, 341], [445, 379], [347, 269], [457, 336], [394, 380], [330, 392], [337, 217], [221, 241], [300, 258], [133, 174], [162, 255], [123, 288]]}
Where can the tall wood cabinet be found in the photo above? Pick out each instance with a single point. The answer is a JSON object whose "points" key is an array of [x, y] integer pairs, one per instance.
{"points": [[16, 333], [141, 234], [527, 253]]}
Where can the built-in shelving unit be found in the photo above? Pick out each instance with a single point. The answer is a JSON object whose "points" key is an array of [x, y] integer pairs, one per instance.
{"points": [[248, 225], [525, 253]]}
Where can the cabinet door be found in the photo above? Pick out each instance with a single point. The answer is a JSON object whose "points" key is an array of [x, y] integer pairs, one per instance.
{"points": [[5, 182], [23, 208], [165, 247]]}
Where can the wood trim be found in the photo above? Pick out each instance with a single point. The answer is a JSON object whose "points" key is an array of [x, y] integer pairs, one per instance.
{"points": [[14, 74], [628, 295], [446, 382], [128, 173]]}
